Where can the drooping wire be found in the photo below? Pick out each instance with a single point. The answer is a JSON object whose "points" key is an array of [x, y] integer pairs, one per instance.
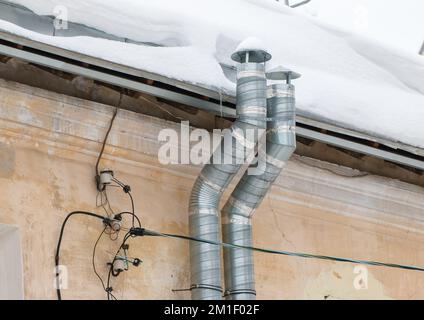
{"points": [[107, 224], [108, 203], [132, 208], [94, 258], [104, 203], [134, 216], [62, 229], [107, 288]]}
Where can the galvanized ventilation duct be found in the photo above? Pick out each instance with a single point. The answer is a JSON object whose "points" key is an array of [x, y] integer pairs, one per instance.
{"points": [[214, 178], [251, 190]]}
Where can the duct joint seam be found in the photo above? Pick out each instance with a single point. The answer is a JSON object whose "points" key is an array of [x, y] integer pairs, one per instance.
{"points": [[204, 211], [210, 183], [283, 129], [255, 110], [236, 219], [272, 93], [246, 210], [275, 162], [250, 73], [272, 160]]}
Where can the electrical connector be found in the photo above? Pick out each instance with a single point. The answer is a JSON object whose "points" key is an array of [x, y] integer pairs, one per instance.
{"points": [[141, 232], [136, 262], [115, 224], [119, 265], [104, 179]]}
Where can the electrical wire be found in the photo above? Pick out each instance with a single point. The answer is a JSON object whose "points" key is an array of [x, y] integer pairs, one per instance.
{"points": [[281, 252], [113, 235], [108, 203], [132, 208], [106, 221], [62, 229], [133, 232], [134, 216], [107, 135], [101, 203], [104, 203], [127, 190], [94, 257], [109, 289]]}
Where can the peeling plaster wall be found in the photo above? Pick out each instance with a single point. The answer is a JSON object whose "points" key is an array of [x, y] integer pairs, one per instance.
{"points": [[48, 148]]}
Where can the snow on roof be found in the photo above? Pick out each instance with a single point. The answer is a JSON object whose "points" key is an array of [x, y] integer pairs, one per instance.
{"points": [[347, 80], [251, 43]]}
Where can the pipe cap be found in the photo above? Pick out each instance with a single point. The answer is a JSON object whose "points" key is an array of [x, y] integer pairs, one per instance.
{"points": [[257, 56], [281, 73], [255, 48]]}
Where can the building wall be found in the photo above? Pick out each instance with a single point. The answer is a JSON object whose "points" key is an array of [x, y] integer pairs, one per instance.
{"points": [[48, 148]]}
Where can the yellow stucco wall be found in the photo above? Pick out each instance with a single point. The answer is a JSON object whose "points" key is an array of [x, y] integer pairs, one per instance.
{"points": [[48, 148]]}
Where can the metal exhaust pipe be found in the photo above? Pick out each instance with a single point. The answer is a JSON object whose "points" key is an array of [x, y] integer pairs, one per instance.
{"points": [[251, 190], [205, 259]]}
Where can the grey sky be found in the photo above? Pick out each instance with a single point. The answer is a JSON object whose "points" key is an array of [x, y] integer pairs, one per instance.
{"points": [[399, 23]]}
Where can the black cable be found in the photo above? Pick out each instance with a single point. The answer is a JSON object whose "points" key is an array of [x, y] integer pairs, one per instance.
{"points": [[134, 216], [106, 137], [111, 272], [127, 190], [132, 208], [94, 257], [144, 232], [105, 219]]}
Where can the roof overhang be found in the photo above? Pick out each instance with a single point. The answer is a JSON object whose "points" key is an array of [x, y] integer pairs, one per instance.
{"points": [[191, 95]]}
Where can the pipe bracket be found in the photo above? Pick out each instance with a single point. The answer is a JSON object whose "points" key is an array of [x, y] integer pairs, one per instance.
{"points": [[240, 291], [206, 286]]}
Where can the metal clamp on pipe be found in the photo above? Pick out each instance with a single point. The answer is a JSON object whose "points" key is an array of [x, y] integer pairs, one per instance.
{"points": [[241, 291], [205, 286]]}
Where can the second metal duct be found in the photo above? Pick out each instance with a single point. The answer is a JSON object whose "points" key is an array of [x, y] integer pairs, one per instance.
{"points": [[251, 190]]}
